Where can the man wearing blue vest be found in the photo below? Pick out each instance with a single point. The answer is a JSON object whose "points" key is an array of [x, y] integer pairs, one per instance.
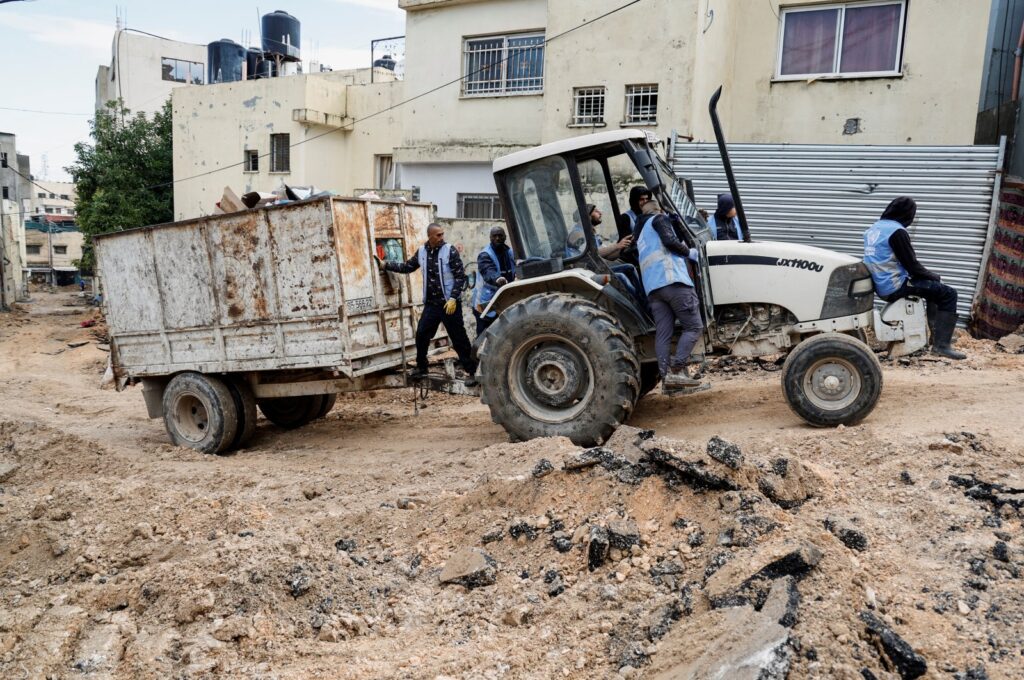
{"points": [[670, 293], [724, 224], [627, 220], [444, 279], [495, 266], [896, 272]]}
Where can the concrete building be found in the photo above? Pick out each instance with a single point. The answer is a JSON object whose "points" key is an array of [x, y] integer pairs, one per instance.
{"points": [[15, 172], [53, 198], [52, 251], [822, 72], [144, 69], [300, 130]]}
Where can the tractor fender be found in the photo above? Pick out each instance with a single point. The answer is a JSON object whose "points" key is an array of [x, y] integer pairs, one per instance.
{"points": [[579, 282]]}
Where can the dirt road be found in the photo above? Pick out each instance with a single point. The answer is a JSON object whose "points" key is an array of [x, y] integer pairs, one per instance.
{"points": [[318, 552]]}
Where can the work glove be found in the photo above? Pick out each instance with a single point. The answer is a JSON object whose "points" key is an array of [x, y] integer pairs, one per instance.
{"points": [[380, 263], [500, 281], [449, 307]]}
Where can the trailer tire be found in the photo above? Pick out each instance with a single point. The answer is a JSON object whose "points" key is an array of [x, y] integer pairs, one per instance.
{"points": [[832, 379], [650, 376], [199, 412], [292, 412], [329, 401], [245, 404], [558, 365]]}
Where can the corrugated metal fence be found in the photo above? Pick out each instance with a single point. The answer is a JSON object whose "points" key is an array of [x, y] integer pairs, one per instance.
{"points": [[827, 195]]}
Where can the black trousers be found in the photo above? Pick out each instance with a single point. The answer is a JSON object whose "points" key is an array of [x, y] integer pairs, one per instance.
{"points": [[936, 294], [483, 322], [432, 318]]}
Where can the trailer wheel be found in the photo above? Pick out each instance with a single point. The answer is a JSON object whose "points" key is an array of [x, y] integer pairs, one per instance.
{"points": [[292, 412], [199, 412], [245, 405], [650, 376], [329, 401], [557, 365], [832, 379]]}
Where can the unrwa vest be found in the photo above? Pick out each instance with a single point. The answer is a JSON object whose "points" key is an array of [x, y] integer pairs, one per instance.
{"points": [[447, 280], [659, 267], [886, 271], [735, 223], [485, 293]]}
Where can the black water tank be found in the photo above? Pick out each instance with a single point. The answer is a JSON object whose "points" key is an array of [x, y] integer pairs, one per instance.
{"points": [[266, 68], [387, 61], [281, 35], [224, 60], [252, 60]]}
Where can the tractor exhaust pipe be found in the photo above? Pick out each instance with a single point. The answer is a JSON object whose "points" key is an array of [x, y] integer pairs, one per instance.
{"points": [[720, 138]]}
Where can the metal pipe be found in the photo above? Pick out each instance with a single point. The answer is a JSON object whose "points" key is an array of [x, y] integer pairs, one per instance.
{"points": [[1017, 58], [720, 138]]}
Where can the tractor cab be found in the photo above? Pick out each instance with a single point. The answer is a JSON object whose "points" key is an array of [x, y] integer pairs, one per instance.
{"points": [[547, 192]]}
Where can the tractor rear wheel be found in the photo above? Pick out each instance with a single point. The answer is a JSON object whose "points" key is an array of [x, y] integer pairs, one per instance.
{"points": [[558, 365], [832, 379]]}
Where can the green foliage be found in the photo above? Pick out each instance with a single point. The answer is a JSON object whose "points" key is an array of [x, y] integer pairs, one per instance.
{"points": [[118, 176]]}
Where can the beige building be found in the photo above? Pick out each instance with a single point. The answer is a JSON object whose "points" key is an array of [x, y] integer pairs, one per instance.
{"points": [[53, 198], [52, 251], [145, 69], [299, 130], [12, 253]]}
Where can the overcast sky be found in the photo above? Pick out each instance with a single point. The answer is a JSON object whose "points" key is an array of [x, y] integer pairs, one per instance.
{"points": [[51, 50]]}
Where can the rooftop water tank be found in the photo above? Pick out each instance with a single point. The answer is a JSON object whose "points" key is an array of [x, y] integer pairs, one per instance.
{"points": [[224, 59], [387, 61], [266, 68], [281, 35], [252, 60]]}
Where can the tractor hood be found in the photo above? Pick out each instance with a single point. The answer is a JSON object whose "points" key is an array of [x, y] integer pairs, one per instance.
{"points": [[812, 283]]}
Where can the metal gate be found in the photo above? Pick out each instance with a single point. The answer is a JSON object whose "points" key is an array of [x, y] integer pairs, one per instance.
{"points": [[827, 195]]}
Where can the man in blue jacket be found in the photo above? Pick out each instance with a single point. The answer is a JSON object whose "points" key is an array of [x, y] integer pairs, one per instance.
{"points": [[896, 272], [495, 266], [724, 224]]}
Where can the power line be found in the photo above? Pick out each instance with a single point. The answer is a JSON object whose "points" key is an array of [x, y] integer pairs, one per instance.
{"points": [[546, 42], [52, 113]]}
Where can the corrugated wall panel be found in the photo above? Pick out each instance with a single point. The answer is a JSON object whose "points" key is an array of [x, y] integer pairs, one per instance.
{"points": [[827, 195]]}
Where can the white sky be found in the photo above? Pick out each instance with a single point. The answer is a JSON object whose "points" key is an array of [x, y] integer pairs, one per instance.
{"points": [[52, 48]]}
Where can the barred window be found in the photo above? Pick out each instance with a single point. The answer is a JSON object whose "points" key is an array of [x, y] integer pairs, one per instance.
{"points": [[252, 160], [280, 153], [504, 64], [479, 207], [588, 106], [641, 104]]}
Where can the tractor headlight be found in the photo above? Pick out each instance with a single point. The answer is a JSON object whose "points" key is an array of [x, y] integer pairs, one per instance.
{"points": [[862, 286]]}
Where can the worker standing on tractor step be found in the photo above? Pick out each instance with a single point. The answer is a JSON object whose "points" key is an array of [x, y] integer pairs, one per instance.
{"points": [[724, 224], [444, 279], [897, 273], [670, 292], [496, 265]]}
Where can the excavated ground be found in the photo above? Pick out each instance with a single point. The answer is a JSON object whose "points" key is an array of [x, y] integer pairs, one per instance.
{"points": [[321, 552]]}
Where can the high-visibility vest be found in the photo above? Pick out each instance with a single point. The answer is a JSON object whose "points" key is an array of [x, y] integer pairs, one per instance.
{"points": [[485, 291], [886, 271], [447, 280], [659, 267]]}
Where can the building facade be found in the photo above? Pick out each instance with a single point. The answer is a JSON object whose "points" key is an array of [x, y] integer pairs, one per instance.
{"points": [[52, 251], [144, 69], [53, 198]]}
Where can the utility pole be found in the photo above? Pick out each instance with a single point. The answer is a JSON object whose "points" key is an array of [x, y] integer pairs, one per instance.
{"points": [[3, 258]]}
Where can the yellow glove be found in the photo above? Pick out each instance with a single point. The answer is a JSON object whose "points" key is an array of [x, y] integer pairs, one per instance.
{"points": [[449, 307]]}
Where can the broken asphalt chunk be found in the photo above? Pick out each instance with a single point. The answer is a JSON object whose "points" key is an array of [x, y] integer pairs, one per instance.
{"points": [[623, 534], [725, 452], [783, 602], [542, 468], [908, 663], [850, 536], [598, 546], [747, 579], [470, 568]]}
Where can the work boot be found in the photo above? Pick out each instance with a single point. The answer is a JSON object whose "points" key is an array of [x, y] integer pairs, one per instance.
{"points": [[945, 324], [418, 373], [677, 380], [931, 310]]}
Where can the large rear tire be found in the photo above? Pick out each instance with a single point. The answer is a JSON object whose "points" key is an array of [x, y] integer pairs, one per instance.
{"points": [[199, 412], [245, 405], [557, 365], [329, 401], [832, 379], [292, 412]]}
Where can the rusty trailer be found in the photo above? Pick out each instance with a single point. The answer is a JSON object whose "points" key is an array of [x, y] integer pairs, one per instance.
{"points": [[279, 308]]}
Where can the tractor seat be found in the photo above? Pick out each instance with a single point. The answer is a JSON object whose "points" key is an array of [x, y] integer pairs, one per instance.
{"points": [[889, 310]]}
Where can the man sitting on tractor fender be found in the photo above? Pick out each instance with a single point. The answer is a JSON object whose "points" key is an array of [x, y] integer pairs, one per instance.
{"points": [[670, 292]]}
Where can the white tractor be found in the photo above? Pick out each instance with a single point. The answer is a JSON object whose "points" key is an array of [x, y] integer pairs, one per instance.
{"points": [[572, 350]]}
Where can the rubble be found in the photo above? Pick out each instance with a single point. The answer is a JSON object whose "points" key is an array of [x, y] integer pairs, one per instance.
{"points": [[789, 483], [543, 468], [470, 568], [623, 534], [783, 602], [900, 655], [847, 533], [747, 580], [725, 452], [598, 545], [7, 470]]}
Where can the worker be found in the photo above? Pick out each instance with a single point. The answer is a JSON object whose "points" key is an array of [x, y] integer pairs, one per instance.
{"points": [[576, 241], [670, 293], [724, 224], [444, 279], [894, 268], [496, 266], [627, 220]]}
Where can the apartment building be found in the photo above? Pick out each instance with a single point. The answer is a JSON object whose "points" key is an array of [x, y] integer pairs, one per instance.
{"points": [[145, 68], [53, 198]]}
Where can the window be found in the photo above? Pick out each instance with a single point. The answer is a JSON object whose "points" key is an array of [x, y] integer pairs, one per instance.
{"points": [[49, 211], [40, 195], [641, 105], [3, 159], [33, 250], [60, 250], [588, 106], [53, 195], [383, 172], [479, 207], [252, 160], [848, 40], [5, 193], [545, 209], [64, 197], [181, 71], [280, 153], [504, 65]]}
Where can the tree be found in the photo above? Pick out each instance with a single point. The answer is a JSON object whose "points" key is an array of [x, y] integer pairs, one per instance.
{"points": [[123, 179]]}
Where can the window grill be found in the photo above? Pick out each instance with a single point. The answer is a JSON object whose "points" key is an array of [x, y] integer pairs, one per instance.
{"points": [[280, 153], [641, 104], [252, 160], [588, 106], [503, 65], [479, 207]]}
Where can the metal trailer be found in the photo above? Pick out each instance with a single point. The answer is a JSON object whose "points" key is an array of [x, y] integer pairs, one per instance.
{"points": [[279, 308]]}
